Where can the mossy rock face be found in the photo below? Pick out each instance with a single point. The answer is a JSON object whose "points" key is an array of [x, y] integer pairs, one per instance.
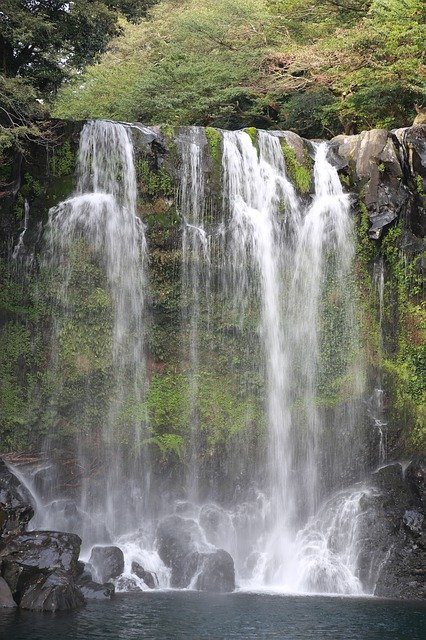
{"points": [[298, 162]]}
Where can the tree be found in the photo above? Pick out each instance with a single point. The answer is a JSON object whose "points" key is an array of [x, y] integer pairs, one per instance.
{"points": [[42, 39]]}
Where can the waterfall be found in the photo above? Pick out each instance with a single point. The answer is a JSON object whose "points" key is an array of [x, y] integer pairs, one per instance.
{"points": [[267, 319], [195, 277], [95, 256], [293, 260]]}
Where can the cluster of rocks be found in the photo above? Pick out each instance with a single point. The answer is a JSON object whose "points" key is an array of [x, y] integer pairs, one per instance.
{"points": [[40, 570]]}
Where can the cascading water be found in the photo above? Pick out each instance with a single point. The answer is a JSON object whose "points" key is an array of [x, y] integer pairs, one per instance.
{"points": [[195, 276], [269, 278], [96, 256]]}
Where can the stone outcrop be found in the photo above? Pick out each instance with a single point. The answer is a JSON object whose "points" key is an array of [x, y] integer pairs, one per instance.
{"points": [[394, 531], [16, 504]]}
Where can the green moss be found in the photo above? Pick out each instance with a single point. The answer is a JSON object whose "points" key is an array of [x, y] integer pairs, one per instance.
{"points": [[300, 175], [63, 160], [419, 186], [152, 183], [252, 132], [214, 140]]}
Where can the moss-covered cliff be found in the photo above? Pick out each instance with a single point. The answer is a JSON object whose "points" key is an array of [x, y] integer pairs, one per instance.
{"points": [[386, 176]]}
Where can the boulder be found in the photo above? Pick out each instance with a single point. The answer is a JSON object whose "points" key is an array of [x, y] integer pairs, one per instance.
{"points": [[179, 542], [106, 563], [373, 162], [55, 591], [16, 504], [29, 555], [216, 572], [6, 598], [93, 590], [149, 578], [217, 526]]}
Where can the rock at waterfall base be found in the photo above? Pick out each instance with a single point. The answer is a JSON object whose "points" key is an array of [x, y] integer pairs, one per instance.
{"points": [[93, 590], [149, 578], [55, 591], [180, 546], [217, 573], [107, 563], [6, 598]]}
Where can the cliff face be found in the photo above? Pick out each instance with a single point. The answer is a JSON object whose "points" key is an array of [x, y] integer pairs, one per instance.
{"points": [[384, 172]]}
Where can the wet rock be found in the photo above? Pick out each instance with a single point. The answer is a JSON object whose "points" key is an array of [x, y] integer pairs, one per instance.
{"points": [[16, 504], [55, 591], [30, 554], [106, 563], [392, 558], [149, 578], [415, 477], [93, 590], [178, 543], [6, 598], [216, 572], [413, 141], [125, 583], [217, 525], [413, 521]]}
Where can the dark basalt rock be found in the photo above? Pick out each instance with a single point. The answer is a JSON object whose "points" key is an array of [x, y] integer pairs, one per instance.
{"points": [[6, 598], [393, 537], [106, 563], [16, 504], [178, 541], [181, 547], [149, 578], [373, 162], [55, 591], [43, 551], [93, 590], [217, 573]]}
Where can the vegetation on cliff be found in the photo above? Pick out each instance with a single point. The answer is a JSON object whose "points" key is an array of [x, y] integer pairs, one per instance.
{"points": [[314, 67]]}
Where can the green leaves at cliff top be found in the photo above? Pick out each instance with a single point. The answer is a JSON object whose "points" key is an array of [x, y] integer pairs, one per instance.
{"points": [[235, 63]]}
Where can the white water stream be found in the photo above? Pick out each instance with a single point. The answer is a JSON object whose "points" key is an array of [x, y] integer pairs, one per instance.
{"points": [[285, 258]]}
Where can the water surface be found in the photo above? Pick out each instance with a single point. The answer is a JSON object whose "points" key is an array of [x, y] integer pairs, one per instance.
{"points": [[192, 615]]}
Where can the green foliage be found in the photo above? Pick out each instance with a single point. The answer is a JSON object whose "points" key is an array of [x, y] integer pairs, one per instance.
{"points": [[405, 362], [154, 183], [313, 67], [63, 160], [312, 114], [221, 414]]}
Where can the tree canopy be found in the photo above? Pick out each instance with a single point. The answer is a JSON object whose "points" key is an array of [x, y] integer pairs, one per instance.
{"points": [[315, 66]]}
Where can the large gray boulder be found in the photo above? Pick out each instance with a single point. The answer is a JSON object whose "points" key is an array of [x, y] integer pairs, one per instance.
{"points": [[55, 591], [16, 504], [216, 572], [179, 542], [39, 568], [106, 563], [182, 547]]}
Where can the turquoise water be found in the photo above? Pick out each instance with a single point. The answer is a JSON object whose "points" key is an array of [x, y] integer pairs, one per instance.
{"points": [[240, 616]]}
